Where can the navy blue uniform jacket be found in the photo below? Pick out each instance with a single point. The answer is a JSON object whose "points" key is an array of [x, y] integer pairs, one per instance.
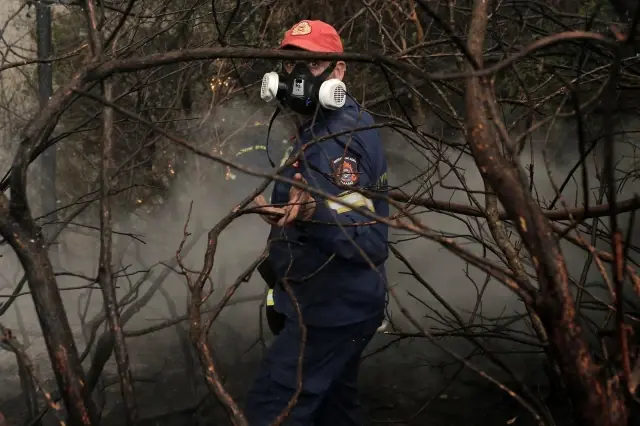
{"points": [[329, 266]]}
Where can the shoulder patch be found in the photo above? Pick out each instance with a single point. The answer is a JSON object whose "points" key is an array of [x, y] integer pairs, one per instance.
{"points": [[345, 171]]}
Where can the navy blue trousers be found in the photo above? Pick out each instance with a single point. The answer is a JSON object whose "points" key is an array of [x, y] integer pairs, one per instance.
{"points": [[330, 376]]}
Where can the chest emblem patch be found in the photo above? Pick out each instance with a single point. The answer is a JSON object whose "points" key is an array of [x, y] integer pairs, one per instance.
{"points": [[345, 171]]}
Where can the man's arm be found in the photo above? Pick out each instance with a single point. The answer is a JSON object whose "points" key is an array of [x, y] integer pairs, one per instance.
{"points": [[336, 171]]}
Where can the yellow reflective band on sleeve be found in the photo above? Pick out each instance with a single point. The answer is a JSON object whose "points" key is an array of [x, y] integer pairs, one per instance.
{"points": [[251, 148], [354, 199], [270, 301]]}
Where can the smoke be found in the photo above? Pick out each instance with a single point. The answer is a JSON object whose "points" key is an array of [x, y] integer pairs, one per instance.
{"points": [[459, 284], [159, 360]]}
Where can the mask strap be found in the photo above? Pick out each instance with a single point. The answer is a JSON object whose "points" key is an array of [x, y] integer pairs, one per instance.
{"points": [[271, 121], [326, 73]]}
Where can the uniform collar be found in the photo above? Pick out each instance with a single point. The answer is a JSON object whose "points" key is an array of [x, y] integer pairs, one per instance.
{"points": [[325, 116]]}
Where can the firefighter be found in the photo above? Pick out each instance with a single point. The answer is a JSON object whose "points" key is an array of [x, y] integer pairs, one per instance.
{"points": [[336, 273]]}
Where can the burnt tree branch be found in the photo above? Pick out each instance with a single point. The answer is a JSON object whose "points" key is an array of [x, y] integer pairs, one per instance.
{"points": [[105, 269]]}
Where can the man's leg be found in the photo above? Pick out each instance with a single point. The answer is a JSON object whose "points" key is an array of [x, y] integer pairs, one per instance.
{"points": [[340, 406], [268, 398], [328, 351]]}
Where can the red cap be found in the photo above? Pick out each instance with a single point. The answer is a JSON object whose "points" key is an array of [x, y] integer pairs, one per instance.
{"points": [[314, 36]]}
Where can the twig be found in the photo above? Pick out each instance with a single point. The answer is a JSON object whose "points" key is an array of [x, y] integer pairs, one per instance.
{"points": [[9, 342]]}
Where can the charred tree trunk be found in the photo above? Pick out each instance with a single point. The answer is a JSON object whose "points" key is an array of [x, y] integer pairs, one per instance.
{"points": [[596, 403], [28, 243]]}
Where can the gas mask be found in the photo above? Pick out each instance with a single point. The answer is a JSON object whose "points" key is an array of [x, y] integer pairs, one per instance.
{"points": [[302, 91]]}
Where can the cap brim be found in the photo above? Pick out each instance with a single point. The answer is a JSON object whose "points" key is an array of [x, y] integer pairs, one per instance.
{"points": [[307, 45], [300, 44]]}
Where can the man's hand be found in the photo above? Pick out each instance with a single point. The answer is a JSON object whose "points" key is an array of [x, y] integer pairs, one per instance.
{"points": [[268, 213], [301, 205]]}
